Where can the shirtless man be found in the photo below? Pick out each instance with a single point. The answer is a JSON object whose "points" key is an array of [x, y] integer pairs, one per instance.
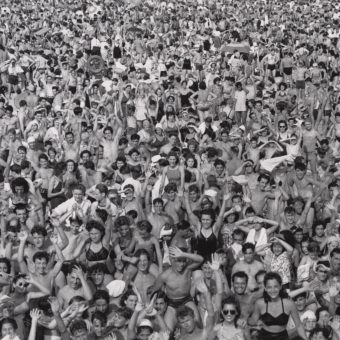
{"points": [[157, 218], [71, 147], [310, 137], [186, 318], [40, 272], [177, 281], [260, 195], [249, 265]]}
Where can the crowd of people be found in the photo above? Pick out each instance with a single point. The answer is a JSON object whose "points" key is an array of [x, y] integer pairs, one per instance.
{"points": [[169, 170]]}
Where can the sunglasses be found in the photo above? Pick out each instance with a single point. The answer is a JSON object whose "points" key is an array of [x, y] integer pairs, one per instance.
{"points": [[229, 311]]}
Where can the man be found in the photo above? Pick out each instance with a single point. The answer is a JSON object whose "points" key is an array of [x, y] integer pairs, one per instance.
{"points": [[177, 281], [335, 262], [76, 286], [245, 300], [249, 265], [77, 204]]}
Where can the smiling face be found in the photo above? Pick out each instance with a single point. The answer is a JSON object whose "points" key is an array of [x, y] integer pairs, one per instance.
{"points": [[273, 288]]}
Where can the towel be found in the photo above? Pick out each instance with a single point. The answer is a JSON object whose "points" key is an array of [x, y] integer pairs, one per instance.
{"points": [[263, 239], [272, 163]]}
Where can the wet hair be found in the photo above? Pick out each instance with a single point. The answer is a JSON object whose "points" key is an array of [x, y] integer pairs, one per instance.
{"points": [[230, 300], [125, 296], [248, 245], [99, 316], [273, 276], [78, 325], [41, 255], [7, 263], [144, 225], [92, 224], [39, 230], [184, 311], [101, 295], [240, 275]]}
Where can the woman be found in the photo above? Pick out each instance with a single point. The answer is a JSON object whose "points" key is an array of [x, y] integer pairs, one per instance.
{"points": [[174, 172], [273, 310], [207, 229], [227, 329], [96, 250], [9, 328], [55, 191], [71, 177]]}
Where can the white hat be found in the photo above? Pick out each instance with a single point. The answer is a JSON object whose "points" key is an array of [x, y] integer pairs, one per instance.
{"points": [[156, 159], [308, 315], [165, 232], [145, 323], [116, 288]]}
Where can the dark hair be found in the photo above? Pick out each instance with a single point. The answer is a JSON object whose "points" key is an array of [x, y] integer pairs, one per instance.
{"points": [[259, 273], [98, 267], [39, 230], [10, 321], [141, 252], [101, 294], [99, 316], [41, 255], [125, 296], [335, 251], [184, 311], [319, 310], [248, 245], [230, 300], [20, 182], [144, 225], [240, 275], [77, 325], [121, 220], [273, 276], [7, 263], [92, 224]]}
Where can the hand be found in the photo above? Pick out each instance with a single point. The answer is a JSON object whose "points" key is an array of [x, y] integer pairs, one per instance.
{"points": [[139, 307], [149, 187], [246, 199], [333, 291], [79, 272], [277, 194], [150, 307], [226, 197], [241, 323], [180, 193], [215, 262], [54, 238], [55, 306], [23, 235], [176, 252], [35, 314], [111, 336], [330, 207]]}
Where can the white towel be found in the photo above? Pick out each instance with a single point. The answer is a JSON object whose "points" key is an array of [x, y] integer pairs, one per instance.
{"points": [[272, 163], [263, 239]]}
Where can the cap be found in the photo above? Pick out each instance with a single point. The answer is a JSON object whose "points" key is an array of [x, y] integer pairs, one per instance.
{"points": [[116, 288], [145, 323], [156, 159]]}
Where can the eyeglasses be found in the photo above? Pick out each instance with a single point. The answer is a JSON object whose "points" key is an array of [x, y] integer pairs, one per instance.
{"points": [[229, 311]]}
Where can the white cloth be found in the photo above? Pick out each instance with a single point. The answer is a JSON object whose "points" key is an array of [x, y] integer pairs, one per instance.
{"points": [[263, 239], [271, 163]]}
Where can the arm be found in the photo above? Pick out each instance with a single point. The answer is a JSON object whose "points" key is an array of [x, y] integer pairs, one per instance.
{"points": [[255, 316], [196, 259], [35, 316], [87, 290], [219, 221], [296, 318], [22, 265], [158, 254]]}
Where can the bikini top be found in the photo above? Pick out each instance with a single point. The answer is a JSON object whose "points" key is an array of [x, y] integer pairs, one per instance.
{"points": [[101, 255], [270, 320]]}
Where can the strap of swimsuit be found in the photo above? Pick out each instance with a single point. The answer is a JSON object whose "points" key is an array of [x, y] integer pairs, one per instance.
{"points": [[283, 308], [267, 307]]}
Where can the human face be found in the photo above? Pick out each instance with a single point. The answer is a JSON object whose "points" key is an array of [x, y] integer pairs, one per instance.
{"points": [[70, 139], [190, 163], [263, 183], [40, 266], [80, 334], [300, 303], [160, 305], [207, 271], [172, 161], [179, 264], [322, 274], [98, 278], [95, 235], [324, 318], [319, 231], [119, 321], [21, 285], [158, 208], [143, 263], [131, 302], [101, 305], [3, 268], [19, 190], [98, 327], [74, 281], [8, 330], [70, 167], [193, 196], [206, 221], [43, 163], [277, 249], [335, 261], [108, 135], [300, 173], [187, 324], [273, 288], [78, 195], [308, 126], [249, 256], [38, 240], [240, 285], [144, 333], [229, 313]]}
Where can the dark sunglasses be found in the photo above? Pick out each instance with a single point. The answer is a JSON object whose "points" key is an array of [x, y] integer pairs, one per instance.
{"points": [[229, 311]]}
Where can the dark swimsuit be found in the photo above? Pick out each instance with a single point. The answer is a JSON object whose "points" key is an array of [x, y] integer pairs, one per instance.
{"points": [[270, 320], [101, 255]]}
